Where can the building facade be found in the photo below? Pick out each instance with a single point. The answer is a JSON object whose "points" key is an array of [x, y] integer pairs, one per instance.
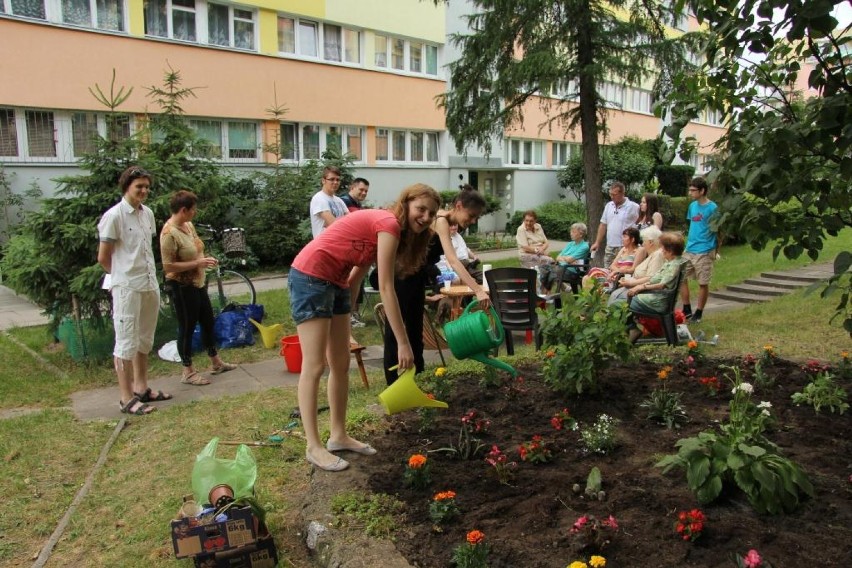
{"points": [[362, 75]]}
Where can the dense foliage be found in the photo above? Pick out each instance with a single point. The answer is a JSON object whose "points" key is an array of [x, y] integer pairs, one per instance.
{"points": [[555, 218], [630, 161]]}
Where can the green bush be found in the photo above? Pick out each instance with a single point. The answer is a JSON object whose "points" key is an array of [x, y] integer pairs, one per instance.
{"points": [[674, 210], [555, 218], [674, 180]]}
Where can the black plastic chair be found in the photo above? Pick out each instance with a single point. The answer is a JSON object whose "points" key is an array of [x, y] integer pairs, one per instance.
{"points": [[513, 294], [666, 318]]}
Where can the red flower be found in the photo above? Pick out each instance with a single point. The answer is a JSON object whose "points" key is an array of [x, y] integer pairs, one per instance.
{"points": [[475, 537]]}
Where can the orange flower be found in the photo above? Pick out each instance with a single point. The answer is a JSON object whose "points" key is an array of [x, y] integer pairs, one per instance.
{"points": [[844, 354], [663, 373], [692, 344], [768, 348], [416, 461], [475, 537], [430, 396], [550, 354], [444, 495]]}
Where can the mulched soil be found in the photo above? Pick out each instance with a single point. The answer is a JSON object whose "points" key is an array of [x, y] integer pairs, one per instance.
{"points": [[527, 523]]}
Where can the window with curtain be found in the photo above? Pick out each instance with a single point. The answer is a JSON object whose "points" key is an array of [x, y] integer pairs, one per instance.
{"points": [[183, 20], [398, 142], [286, 35], [210, 131], [333, 138], [77, 12], [331, 42], [155, 18], [381, 49], [415, 58], [41, 133], [416, 146], [84, 133], [110, 14], [514, 152], [117, 127], [431, 60], [398, 54], [242, 140], [353, 143], [311, 141], [432, 147], [243, 29], [8, 133], [307, 38], [218, 25], [29, 8], [289, 142], [382, 144], [351, 46]]}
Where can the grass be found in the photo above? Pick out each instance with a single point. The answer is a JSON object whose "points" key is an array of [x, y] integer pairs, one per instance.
{"points": [[124, 521]]}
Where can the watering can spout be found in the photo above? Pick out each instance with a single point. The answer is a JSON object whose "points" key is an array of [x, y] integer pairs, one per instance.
{"points": [[268, 333], [496, 363]]}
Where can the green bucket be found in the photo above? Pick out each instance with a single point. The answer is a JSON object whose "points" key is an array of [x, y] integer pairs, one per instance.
{"points": [[472, 336]]}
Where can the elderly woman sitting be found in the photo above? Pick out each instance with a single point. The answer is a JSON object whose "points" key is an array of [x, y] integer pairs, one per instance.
{"points": [[532, 244], [643, 271], [664, 279], [576, 252]]}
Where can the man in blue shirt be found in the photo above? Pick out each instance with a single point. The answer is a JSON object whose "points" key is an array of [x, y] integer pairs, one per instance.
{"points": [[702, 248]]}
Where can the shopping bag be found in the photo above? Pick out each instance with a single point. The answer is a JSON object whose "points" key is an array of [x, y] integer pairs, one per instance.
{"points": [[233, 329], [209, 471]]}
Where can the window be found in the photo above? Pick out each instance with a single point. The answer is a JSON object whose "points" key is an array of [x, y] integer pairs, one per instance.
{"points": [[41, 140], [101, 14], [381, 50], [638, 100], [524, 152], [8, 133], [415, 61], [305, 38], [333, 138], [354, 143], [410, 56], [28, 8], [242, 140], [431, 60], [289, 142], [612, 93], [210, 131], [351, 46], [332, 43], [308, 38], [398, 54], [84, 133], [406, 146], [230, 27], [170, 18], [562, 152], [286, 35], [309, 141]]}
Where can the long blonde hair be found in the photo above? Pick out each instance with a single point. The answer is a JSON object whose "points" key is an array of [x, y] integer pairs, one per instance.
{"points": [[411, 253]]}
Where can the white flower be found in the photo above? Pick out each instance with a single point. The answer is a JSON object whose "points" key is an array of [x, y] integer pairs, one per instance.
{"points": [[764, 404], [764, 412], [745, 387]]}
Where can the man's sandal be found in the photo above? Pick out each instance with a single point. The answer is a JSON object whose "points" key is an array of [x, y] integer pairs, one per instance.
{"points": [[151, 396], [136, 407], [195, 379], [223, 368]]}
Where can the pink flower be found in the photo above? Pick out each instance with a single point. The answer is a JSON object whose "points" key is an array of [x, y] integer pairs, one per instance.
{"points": [[611, 523], [752, 559]]}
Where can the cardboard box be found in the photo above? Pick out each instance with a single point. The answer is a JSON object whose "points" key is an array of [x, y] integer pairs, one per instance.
{"points": [[261, 554], [191, 538]]}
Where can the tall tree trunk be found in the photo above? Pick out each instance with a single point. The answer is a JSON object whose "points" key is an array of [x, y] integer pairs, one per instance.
{"points": [[589, 129]]}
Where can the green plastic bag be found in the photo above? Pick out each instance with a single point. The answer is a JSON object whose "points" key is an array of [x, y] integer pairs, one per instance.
{"points": [[209, 471]]}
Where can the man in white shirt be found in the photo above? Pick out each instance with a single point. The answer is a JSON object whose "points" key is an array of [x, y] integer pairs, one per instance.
{"points": [[618, 214], [125, 252], [325, 205]]}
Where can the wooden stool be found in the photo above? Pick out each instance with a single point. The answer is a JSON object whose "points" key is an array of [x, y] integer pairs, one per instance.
{"points": [[356, 349]]}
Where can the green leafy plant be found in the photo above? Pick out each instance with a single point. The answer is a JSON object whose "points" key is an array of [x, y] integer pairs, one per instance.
{"points": [[434, 383], [473, 553], [503, 468], [664, 405], [740, 455], [468, 445], [376, 514], [586, 335], [443, 507], [417, 473], [599, 438], [823, 392]]}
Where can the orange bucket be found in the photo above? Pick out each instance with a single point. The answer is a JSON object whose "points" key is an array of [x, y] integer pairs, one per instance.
{"points": [[291, 350]]}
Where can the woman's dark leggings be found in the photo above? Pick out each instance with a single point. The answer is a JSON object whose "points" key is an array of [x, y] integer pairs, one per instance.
{"points": [[192, 306], [410, 292]]}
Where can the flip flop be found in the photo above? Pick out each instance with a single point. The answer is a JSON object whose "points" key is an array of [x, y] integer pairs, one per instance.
{"points": [[141, 408], [151, 396], [223, 368], [195, 379]]}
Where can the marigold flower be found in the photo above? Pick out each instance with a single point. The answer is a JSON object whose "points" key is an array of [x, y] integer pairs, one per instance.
{"points": [[768, 348], [663, 373], [578, 564], [440, 371], [844, 354], [752, 559], [475, 537], [692, 344], [416, 461], [550, 354], [597, 561], [444, 496]]}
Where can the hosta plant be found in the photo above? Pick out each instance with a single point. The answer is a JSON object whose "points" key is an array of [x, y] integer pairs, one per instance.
{"points": [[740, 455]]}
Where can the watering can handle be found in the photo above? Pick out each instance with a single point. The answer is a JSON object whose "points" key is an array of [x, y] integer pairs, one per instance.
{"points": [[499, 324]]}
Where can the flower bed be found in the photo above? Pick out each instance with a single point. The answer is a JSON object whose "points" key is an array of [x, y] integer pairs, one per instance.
{"points": [[527, 521]]}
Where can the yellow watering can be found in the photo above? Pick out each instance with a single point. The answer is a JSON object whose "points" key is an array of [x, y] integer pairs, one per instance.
{"points": [[473, 336], [404, 394], [268, 333]]}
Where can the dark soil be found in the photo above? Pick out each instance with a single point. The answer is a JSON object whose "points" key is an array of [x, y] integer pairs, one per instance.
{"points": [[527, 523]]}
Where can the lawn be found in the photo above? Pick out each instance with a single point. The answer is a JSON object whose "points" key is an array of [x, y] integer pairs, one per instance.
{"points": [[124, 519]]}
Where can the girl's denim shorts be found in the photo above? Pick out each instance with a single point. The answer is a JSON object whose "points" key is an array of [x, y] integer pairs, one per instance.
{"points": [[312, 297]]}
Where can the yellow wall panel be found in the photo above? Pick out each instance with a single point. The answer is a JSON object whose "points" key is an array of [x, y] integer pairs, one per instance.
{"points": [[409, 18], [267, 29], [136, 16], [311, 8]]}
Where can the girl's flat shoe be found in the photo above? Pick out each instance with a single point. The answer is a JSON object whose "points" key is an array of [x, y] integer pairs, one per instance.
{"points": [[366, 449]]}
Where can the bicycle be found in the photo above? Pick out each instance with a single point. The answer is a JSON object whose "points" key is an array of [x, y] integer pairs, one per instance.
{"points": [[228, 287]]}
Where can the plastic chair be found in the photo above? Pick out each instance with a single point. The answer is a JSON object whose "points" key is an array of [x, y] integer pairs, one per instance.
{"points": [[513, 293], [432, 338], [667, 318]]}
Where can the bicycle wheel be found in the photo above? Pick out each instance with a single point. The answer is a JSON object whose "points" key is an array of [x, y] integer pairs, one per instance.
{"points": [[230, 288]]}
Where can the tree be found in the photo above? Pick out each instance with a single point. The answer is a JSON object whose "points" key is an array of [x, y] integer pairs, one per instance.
{"points": [[518, 50], [785, 163], [630, 160]]}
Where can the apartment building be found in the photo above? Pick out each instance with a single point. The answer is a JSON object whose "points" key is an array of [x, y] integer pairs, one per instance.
{"points": [[362, 75]]}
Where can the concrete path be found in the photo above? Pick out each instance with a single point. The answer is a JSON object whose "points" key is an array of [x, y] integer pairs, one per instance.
{"points": [[18, 311]]}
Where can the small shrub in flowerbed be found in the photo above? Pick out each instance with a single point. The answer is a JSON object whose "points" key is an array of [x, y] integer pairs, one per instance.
{"points": [[528, 511]]}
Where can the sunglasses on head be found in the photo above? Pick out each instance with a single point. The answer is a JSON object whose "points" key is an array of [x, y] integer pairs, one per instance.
{"points": [[138, 172]]}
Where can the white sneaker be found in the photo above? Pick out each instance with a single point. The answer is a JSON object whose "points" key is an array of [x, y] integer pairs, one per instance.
{"points": [[355, 321]]}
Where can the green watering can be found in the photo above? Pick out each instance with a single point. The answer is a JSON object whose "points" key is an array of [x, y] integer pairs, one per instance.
{"points": [[472, 336]]}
